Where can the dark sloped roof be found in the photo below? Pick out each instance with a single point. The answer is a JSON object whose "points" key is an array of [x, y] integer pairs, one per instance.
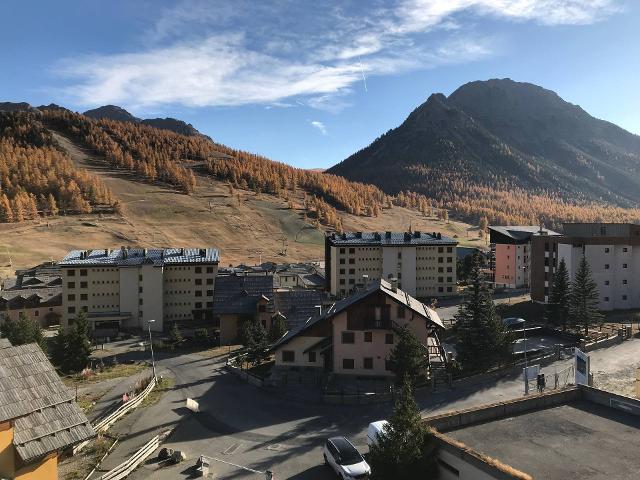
{"points": [[298, 305], [238, 294], [379, 285], [32, 394]]}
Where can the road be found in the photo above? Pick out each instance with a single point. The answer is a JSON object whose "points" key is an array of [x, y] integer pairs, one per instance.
{"points": [[248, 426]]}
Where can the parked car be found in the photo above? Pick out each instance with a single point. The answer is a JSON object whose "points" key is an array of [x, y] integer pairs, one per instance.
{"points": [[513, 323], [340, 454], [374, 429]]}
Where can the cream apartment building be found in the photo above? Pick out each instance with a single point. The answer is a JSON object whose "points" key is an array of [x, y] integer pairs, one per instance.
{"points": [[423, 263], [127, 287], [356, 335]]}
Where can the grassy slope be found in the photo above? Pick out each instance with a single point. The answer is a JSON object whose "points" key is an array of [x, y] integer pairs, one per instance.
{"points": [[156, 215]]}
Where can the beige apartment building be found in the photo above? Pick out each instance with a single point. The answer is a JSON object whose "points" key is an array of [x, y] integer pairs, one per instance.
{"points": [[423, 263], [356, 335], [127, 287]]}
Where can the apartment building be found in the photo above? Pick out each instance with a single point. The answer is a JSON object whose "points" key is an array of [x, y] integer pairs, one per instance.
{"points": [[423, 263], [612, 251], [127, 287], [356, 335], [36, 292], [511, 254]]}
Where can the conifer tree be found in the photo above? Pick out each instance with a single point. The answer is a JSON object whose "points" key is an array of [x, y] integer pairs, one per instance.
{"points": [[482, 339], [278, 328], [557, 310], [22, 331], [584, 298], [257, 344], [406, 448], [408, 358], [175, 337], [78, 344]]}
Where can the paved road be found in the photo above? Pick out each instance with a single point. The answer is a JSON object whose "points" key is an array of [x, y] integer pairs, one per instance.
{"points": [[248, 426]]}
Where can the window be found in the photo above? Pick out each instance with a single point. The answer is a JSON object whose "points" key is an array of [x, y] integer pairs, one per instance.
{"points": [[440, 249], [399, 255], [606, 299], [606, 266], [139, 278], [198, 293], [449, 259], [342, 250], [624, 297], [441, 269], [198, 269], [449, 249], [83, 296], [198, 304], [352, 261], [37, 313], [198, 281], [342, 261], [449, 269], [348, 337], [606, 250], [440, 289], [209, 269], [209, 281], [139, 301], [400, 311], [71, 273], [624, 265], [440, 259], [367, 363], [209, 293], [83, 284], [624, 282], [387, 365], [342, 282], [440, 279], [352, 271], [71, 285], [348, 363], [449, 289], [71, 297], [71, 310], [312, 357], [388, 338], [606, 282], [625, 249], [342, 270], [368, 337], [288, 356]]}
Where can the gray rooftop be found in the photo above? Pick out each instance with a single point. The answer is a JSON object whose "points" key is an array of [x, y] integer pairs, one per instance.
{"points": [[390, 238], [45, 416], [239, 294], [580, 439], [521, 232], [139, 256], [298, 306]]}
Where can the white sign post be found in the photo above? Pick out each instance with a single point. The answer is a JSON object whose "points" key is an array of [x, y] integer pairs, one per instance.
{"points": [[529, 373], [583, 367]]}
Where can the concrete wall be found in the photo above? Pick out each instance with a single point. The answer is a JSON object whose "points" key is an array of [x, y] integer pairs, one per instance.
{"points": [[39, 314], [512, 265], [151, 297], [129, 294], [228, 329]]}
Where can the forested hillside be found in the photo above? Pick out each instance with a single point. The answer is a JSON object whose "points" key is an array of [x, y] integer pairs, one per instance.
{"points": [[513, 152], [36, 178], [169, 157]]}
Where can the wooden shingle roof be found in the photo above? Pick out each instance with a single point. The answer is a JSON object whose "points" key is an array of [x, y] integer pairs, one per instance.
{"points": [[42, 408]]}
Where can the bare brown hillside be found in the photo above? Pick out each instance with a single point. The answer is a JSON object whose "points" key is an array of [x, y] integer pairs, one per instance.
{"points": [[245, 227]]}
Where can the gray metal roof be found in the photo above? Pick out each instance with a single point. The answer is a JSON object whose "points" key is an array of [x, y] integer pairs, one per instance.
{"points": [[42, 407], [298, 306], [390, 238], [521, 232], [139, 256], [238, 294], [379, 285]]}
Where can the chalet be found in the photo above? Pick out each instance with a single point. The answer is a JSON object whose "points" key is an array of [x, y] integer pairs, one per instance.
{"points": [[36, 292], [38, 416], [356, 335]]}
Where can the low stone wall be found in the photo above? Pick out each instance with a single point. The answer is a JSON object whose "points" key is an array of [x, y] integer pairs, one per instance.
{"points": [[615, 339], [246, 376], [611, 400]]}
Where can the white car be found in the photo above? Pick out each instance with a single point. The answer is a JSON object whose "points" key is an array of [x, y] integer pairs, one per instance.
{"points": [[340, 454], [374, 431]]}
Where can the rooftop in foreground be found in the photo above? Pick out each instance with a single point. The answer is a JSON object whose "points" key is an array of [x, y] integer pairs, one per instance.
{"points": [[576, 433]]}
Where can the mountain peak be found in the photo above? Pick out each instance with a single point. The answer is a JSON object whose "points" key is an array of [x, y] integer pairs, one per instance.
{"points": [[111, 112]]}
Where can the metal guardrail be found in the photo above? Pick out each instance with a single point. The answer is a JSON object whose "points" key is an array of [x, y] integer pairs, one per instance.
{"points": [[104, 424], [125, 468]]}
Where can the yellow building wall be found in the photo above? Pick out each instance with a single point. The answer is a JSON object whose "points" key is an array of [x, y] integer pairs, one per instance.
{"points": [[11, 467], [7, 455], [46, 469]]}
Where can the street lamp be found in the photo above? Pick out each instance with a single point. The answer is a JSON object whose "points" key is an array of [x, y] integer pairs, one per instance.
{"points": [[153, 361]]}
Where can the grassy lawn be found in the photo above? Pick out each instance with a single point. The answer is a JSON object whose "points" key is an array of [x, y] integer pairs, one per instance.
{"points": [[164, 384], [116, 371]]}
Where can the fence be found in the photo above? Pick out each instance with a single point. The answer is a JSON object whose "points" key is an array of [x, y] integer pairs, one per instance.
{"points": [[104, 424], [125, 468]]}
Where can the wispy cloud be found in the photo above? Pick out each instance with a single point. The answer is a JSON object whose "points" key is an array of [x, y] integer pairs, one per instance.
{"points": [[319, 125], [228, 54]]}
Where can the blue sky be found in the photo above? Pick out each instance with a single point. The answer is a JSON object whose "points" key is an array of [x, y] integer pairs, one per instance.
{"points": [[309, 83]]}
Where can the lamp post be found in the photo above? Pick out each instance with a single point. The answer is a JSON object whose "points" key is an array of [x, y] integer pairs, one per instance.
{"points": [[153, 360], [526, 372]]}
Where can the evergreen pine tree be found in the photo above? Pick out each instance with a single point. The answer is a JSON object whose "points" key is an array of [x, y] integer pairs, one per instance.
{"points": [[408, 357], [405, 449], [278, 327], [557, 309], [482, 339], [584, 298], [257, 344], [23, 331], [58, 350], [175, 337], [78, 344]]}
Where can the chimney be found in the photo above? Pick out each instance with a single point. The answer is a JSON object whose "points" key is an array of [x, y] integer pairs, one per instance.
{"points": [[203, 252], [416, 234], [107, 251], [182, 251], [407, 236], [358, 234], [387, 234], [144, 252], [394, 284], [439, 236]]}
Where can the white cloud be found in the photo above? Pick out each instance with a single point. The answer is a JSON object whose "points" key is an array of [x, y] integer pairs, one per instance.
{"points": [[213, 54], [319, 125]]}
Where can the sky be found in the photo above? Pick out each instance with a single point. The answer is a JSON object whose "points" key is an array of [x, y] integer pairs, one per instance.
{"points": [[311, 82]]}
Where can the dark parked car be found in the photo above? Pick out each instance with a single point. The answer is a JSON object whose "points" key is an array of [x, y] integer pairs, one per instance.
{"points": [[513, 323]]}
